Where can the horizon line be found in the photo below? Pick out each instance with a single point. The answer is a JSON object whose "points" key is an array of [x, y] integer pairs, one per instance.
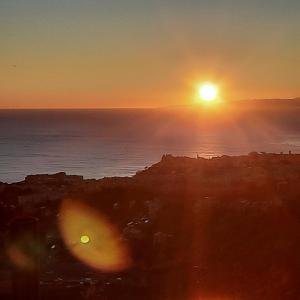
{"points": [[139, 107]]}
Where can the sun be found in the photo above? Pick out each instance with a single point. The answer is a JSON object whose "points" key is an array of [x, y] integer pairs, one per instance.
{"points": [[208, 91]]}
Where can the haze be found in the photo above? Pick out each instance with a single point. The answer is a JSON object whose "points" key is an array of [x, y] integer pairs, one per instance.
{"points": [[130, 53]]}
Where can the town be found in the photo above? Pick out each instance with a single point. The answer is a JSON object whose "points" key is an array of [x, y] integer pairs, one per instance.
{"points": [[219, 228]]}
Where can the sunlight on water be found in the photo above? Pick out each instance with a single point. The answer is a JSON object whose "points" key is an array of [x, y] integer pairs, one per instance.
{"points": [[105, 144], [91, 238]]}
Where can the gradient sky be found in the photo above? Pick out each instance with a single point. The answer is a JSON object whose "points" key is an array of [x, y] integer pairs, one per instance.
{"points": [[131, 53]]}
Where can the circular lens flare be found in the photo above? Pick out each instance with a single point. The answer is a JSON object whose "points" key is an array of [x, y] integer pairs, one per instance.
{"points": [[208, 92], [84, 239], [91, 238]]}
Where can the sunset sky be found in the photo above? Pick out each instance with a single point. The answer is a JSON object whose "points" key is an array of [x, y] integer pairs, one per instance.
{"points": [[141, 53]]}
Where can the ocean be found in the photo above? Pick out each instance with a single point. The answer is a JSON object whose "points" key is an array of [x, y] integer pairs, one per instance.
{"points": [[119, 142]]}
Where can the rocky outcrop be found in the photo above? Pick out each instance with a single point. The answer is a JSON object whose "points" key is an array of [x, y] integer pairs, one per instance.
{"points": [[61, 178]]}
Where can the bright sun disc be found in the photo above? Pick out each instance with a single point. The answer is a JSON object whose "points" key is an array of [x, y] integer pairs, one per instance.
{"points": [[208, 92]]}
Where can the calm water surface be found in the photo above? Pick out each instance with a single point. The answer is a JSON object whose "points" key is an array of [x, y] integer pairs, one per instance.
{"points": [[99, 143]]}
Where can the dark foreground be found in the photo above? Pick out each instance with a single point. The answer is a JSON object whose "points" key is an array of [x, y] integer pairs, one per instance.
{"points": [[225, 228]]}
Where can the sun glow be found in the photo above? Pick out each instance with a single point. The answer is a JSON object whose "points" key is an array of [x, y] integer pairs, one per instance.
{"points": [[208, 91]]}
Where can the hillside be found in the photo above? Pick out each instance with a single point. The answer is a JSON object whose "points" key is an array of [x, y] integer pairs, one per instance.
{"points": [[220, 228]]}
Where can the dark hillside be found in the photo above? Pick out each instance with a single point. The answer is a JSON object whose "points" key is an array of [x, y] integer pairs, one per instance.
{"points": [[223, 228]]}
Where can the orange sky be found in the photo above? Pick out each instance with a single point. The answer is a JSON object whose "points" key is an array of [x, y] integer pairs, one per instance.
{"points": [[84, 54]]}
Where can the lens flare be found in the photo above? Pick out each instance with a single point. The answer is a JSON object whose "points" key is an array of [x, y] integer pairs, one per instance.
{"points": [[23, 247], [85, 239], [20, 258], [91, 238]]}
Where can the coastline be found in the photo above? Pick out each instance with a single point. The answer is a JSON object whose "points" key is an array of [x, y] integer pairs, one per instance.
{"points": [[237, 217], [236, 161]]}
